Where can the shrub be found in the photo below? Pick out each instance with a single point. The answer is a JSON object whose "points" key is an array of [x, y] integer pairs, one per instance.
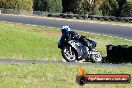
{"points": [[76, 6], [16, 4], [54, 6], [109, 8], [96, 10], [127, 10], [39, 5]]}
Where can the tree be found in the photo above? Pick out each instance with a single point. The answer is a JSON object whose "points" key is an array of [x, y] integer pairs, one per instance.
{"points": [[39, 5], [77, 6], [54, 6], [109, 8], [122, 4], [16, 4], [99, 2], [127, 10]]}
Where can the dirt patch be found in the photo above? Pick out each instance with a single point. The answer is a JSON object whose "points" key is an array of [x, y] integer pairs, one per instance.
{"points": [[51, 32]]}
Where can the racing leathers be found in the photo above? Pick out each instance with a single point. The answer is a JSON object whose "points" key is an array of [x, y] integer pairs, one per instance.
{"points": [[72, 35]]}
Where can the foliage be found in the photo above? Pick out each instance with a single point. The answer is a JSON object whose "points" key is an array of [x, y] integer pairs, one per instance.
{"points": [[39, 5], [99, 2], [54, 6], [70, 5], [97, 7], [87, 7], [96, 10], [77, 6], [16, 4], [127, 10], [109, 8]]}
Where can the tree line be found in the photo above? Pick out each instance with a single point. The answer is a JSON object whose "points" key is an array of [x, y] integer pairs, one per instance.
{"points": [[84, 7]]}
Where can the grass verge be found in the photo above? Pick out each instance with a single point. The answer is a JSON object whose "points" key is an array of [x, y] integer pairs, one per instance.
{"points": [[129, 1], [53, 76], [20, 41]]}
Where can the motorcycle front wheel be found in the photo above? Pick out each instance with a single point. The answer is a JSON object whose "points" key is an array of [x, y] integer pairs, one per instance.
{"points": [[68, 54], [96, 56]]}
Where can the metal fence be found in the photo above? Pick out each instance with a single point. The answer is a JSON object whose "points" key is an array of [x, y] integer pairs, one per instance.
{"points": [[67, 16]]}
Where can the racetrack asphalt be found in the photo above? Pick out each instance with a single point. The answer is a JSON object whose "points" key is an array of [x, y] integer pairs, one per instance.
{"points": [[105, 29], [14, 61]]}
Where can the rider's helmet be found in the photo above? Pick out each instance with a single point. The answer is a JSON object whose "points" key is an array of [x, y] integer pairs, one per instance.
{"points": [[65, 29]]}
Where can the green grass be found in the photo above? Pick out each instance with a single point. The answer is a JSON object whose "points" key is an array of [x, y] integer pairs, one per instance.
{"points": [[129, 1], [53, 76], [26, 42], [19, 41]]}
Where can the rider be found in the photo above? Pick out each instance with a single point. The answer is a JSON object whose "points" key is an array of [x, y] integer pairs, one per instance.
{"points": [[72, 35]]}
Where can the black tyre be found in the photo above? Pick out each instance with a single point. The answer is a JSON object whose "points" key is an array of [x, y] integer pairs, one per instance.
{"points": [[69, 54], [96, 57]]}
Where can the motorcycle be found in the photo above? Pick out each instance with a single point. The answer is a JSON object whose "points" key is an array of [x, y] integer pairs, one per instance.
{"points": [[74, 50]]}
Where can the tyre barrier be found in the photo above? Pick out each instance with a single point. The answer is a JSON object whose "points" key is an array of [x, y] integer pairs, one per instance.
{"points": [[91, 17], [106, 18], [66, 15], [77, 16], [119, 54], [82, 17]]}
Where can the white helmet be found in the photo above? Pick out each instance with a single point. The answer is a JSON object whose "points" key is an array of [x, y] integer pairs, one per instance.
{"points": [[65, 29]]}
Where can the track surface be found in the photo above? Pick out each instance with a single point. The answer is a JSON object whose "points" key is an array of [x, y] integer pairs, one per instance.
{"points": [[11, 61], [106, 29]]}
